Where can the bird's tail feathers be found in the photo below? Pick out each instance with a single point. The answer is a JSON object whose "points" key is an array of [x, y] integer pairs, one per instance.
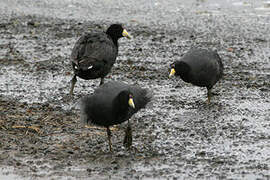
{"points": [[83, 115]]}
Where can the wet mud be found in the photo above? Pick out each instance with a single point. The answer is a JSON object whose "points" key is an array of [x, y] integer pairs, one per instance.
{"points": [[178, 136]]}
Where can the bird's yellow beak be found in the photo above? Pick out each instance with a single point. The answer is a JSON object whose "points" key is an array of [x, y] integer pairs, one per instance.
{"points": [[125, 34], [131, 103], [172, 72]]}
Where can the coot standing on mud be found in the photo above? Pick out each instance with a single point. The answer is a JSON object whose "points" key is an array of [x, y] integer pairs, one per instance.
{"points": [[94, 54], [199, 67], [113, 103]]}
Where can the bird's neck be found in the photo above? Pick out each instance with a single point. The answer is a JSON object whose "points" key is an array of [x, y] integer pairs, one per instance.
{"points": [[119, 109], [114, 38], [115, 41], [183, 71]]}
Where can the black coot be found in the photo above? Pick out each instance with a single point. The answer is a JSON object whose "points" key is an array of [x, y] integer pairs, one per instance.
{"points": [[94, 54], [113, 103], [199, 67]]}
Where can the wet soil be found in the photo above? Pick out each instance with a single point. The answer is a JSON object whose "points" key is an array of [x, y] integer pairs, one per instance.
{"points": [[178, 136]]}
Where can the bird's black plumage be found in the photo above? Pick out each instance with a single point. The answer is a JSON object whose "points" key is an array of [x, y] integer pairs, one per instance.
{"points": [[95, 53], [109, 104], [200, 67]]}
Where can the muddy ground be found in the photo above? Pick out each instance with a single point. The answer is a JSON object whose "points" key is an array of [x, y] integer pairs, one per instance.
{"points": [[179, 136]]}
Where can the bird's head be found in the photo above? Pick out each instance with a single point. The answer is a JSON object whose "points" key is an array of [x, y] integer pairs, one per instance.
{"points": [[179, 68], [125, 99], [117, 31]]}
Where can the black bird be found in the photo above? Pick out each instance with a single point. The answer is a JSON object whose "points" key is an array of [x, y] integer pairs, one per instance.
{"points": [[94, 54], [199, 67], [113, 103]]}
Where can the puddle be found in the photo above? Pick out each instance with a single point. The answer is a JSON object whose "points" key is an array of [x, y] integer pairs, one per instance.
{"points": [[7, 173], [179, 135]]}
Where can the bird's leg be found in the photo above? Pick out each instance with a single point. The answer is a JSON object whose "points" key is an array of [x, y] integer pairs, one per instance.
{"points": [[73, 82], [101, 81], [209, 94], [109, 133], [128, 136]]}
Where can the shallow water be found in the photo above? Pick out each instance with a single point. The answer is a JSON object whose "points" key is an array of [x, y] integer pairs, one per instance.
{"points": [[180, 135]]}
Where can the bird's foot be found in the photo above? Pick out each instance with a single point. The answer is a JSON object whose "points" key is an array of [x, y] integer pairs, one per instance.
{"points": [[128, 137], [73, 82], [210, 95], [67, 98], [109, 138]]}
